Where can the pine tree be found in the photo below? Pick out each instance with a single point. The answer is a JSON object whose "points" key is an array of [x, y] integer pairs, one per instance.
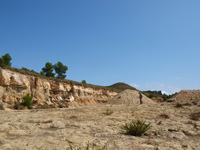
{"points": [[60, 69], [48, 70], [7, 58], [2, 64], [84, 82]]}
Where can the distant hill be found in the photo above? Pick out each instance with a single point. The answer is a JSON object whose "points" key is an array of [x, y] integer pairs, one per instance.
{"points": [[157, 95], [152, 94], [120, 86]]}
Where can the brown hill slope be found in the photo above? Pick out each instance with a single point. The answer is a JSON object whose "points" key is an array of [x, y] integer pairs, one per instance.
{"points": [[120, 86], [188, 96], [130, 97]]}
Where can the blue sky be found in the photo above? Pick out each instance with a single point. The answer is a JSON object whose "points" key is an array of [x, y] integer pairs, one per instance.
{"points": [[149, 44]]}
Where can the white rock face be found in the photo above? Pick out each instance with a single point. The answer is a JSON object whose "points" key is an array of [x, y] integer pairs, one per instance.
{"points": [[71, 98], [5, 76], [42, 84]]}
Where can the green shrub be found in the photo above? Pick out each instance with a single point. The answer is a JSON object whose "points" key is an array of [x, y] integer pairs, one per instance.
{"points": [[136, 127], [151, 96], [42, 73], [87, 148], [27, 101]]}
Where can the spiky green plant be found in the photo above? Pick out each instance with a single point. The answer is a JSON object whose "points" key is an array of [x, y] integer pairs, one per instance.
{"points": [[136, 127]]}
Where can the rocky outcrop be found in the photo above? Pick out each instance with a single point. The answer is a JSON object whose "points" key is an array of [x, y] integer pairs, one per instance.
{"points": [[14, 85]]}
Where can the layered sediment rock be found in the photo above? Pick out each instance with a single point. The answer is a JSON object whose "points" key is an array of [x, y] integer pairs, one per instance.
{"points": [[14, 85]]}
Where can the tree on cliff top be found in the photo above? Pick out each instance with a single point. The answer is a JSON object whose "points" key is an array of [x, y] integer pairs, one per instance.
{"points": [[5, 60], [60, 69], [84, 82], [48, 70], [2, 64]]}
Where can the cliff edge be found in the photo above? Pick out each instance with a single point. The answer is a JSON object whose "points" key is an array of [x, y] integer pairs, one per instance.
{"points": [[14, 85]]}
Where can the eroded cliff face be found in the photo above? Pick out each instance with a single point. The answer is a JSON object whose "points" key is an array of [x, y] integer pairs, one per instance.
{"points": [[13, 86]]}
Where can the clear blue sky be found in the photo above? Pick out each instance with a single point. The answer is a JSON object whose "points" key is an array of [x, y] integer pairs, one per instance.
{"points": [[149, 44]]}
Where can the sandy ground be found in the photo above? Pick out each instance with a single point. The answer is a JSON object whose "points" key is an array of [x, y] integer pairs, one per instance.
{"points": [[53, 129]]}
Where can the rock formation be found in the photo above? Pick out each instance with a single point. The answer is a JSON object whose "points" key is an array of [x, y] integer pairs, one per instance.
{"points": [[14, 85]]}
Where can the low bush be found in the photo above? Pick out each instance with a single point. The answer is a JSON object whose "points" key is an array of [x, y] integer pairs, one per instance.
{"points": [[18, 106], [27, 101], [151, 96], [136, 127], [46, 106]]}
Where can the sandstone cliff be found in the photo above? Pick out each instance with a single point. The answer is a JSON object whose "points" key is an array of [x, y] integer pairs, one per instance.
{"points": [[14, 85]]}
